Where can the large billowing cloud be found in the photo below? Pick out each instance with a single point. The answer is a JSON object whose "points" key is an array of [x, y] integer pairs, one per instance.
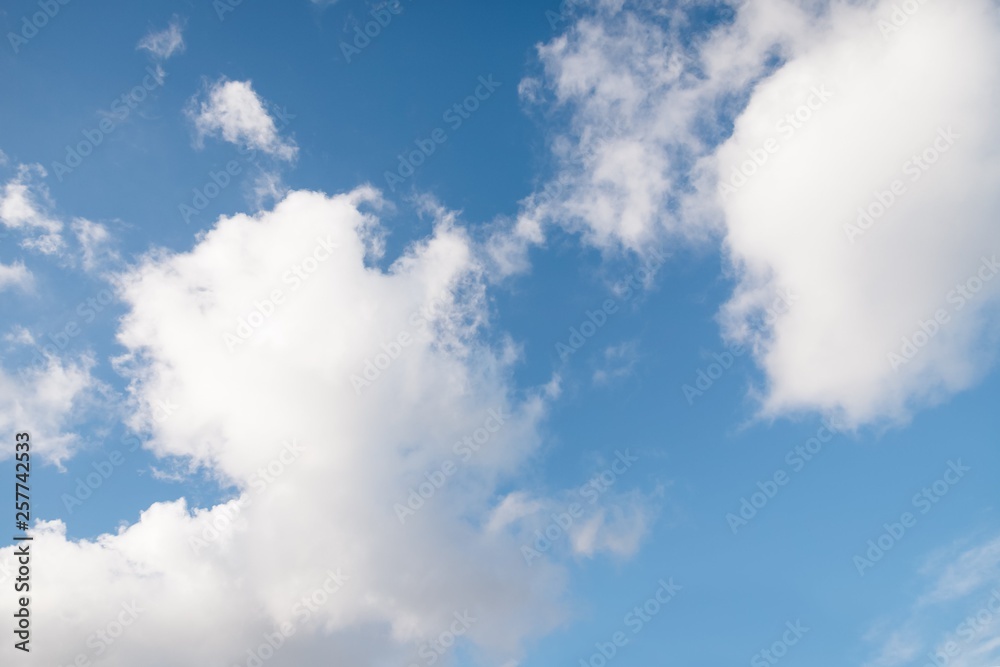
{"points": [[365, 418], [365, 428], [859, 174], [878, 204]]}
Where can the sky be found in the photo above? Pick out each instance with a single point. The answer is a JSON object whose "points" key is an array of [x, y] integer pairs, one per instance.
{"points": [[602, 332]]}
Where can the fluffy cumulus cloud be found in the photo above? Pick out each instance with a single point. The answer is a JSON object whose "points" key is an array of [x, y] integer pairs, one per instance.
{"points": [[877, 208], [644, 99], [365, 426], [844, 153], [234, 112]]}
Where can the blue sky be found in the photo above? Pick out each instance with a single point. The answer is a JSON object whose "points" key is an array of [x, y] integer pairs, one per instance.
{"points": [[245, 354]]}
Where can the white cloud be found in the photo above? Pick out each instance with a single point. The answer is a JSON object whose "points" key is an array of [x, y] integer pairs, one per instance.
{"points": [[43, 398], [235, 112], [642, 104], [284, 399], [94, 240], [641, 164], [19, 336], [968, 571], [268, 188], [586, 522], [966, 591], [618, 531], [25, 206], [164, 43], [899, 648], [15, 275], [619, 362], [786, 226]]}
